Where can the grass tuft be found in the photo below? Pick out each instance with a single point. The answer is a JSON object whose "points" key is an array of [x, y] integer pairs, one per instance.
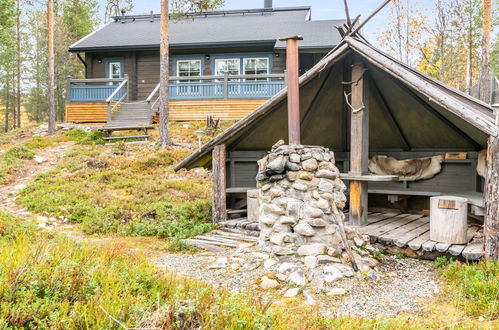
{"points": [[474, 287]]}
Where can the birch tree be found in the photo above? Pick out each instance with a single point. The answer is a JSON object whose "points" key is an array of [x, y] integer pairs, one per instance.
{"points": [[407, 26]]}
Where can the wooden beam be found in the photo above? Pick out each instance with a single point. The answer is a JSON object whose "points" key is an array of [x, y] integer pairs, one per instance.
{"points": [[389, 114], [491, 222], [359, 145], [219, 206], [437, 114]]}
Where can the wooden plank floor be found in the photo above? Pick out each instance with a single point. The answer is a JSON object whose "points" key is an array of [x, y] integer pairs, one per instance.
{"points": [[413, 231]]}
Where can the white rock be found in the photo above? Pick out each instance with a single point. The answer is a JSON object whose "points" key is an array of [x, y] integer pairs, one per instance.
{"points": [[323, 259], [40, 159], [310, 261], [291, 292], [331, 274], [304, 229], [287, 220], [336, 292], [268, 283], [42, 219], [358, 241], [219, 263], [312, 249], [285, 267], [269, 263], [297, 277], [309, 298], [19, 187]]}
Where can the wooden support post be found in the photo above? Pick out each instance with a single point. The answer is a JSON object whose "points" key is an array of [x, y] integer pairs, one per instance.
{"points": [[226, 85], [359, 145], [219, 206], [491, 225]]}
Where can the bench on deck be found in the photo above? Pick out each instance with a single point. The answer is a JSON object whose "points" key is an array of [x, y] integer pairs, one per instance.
{"points": [[475, 199]]}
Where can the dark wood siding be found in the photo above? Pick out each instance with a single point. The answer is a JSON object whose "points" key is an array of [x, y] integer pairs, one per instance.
{"points": [[142, 67]]}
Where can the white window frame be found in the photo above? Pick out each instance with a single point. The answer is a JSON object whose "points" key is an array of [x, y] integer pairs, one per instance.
{"points": [[227, 59], [189, 60], [111, 69], [256, 58]]}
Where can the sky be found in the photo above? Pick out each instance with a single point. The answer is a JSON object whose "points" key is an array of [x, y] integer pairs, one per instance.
{"points": [[321, 9]]}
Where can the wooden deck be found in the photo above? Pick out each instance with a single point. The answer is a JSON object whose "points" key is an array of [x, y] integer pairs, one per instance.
{"points": [[413, 231], [399, 230], [180, 110]]}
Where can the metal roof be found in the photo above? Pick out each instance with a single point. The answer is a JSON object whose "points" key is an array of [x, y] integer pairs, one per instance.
{"points": [[236, 27]]}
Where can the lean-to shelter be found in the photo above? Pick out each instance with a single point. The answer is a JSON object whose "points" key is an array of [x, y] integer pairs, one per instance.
{"points": [[410, 116]]}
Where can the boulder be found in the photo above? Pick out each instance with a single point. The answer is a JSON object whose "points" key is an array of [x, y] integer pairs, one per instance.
{"points": [[268, 283], [290, 293], [310, 165], [304, 229], [312, 249]]}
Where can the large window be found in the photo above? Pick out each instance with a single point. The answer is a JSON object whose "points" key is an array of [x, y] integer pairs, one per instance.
{"points": [[232, 66], [188, 68], [257, 65]]}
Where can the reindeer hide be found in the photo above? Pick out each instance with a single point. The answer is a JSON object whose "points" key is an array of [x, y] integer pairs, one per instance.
{"points": [[407, 170], [481, 164]]}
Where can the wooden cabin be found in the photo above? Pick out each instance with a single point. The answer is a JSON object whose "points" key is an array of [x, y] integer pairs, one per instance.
{"points": [[222, 63], [410, 116]]}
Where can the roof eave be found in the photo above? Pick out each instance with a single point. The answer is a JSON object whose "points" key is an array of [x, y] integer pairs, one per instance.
{"points": [[177, 46]]}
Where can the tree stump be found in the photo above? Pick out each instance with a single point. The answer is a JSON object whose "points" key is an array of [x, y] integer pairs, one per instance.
{"points": [[448, 219]]}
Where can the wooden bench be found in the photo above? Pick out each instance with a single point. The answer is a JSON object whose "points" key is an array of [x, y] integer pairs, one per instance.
{"points": [[108, 130], [475, 199]]}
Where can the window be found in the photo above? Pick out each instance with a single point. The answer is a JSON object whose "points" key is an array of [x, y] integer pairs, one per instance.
{"points": [[230, 65], [114, 70], [189, 68], [259, 65]]}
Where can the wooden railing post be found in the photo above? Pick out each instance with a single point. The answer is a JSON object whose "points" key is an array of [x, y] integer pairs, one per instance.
{"points": [[127, 87], [68, 91], [219, 206], [226, 85], [108, 112]]}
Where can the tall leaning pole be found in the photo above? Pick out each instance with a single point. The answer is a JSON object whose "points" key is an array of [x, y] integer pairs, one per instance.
{"points": [[50, 55]]}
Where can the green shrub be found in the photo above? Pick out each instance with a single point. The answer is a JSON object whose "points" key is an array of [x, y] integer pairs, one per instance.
{"points": [[79, 136], [474, 287], [39, 142], [16, 153]]}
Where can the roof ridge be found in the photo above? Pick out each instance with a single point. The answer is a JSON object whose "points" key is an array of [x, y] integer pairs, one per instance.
{"points": [[221, 12]]}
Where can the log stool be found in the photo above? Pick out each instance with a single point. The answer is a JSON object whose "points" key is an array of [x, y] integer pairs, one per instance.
{"points": [[448, 219]]}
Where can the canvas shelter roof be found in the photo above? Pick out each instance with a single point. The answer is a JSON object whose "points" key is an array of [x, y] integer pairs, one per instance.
{"points": [[408, 111]]}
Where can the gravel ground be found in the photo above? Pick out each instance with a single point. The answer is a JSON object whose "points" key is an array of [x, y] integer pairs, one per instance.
{"points": [[404, 285]]}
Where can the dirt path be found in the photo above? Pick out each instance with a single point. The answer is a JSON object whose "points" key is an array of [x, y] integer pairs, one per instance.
{"points": [[45, 160]]}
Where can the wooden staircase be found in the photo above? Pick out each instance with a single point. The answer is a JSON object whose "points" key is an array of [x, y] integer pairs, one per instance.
{"points": [[131, 114], [128, 116]]}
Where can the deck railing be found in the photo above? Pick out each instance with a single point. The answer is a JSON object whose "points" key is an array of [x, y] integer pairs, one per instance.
{"points": [[185, 88]]}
